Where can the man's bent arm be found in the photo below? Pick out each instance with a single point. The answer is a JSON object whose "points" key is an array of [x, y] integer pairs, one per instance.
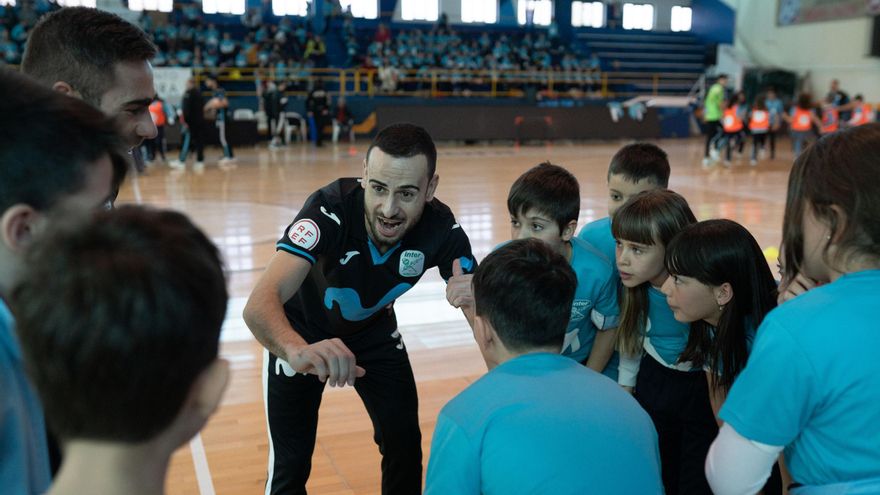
{"points": [[264, 312]]}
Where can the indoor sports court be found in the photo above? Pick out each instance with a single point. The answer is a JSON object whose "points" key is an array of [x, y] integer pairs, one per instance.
{"points": [[244, 210], [715, 263]]}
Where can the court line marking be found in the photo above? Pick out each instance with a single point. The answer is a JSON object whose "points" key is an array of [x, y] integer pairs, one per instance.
{"points": [[200, 461]]}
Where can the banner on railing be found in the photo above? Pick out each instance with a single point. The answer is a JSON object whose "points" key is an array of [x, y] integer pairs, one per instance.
{"points": [[170, 83]]}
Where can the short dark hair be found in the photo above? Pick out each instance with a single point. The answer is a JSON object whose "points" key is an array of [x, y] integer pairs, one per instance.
{"points": [[118, 314], [525, 290], [406, 140], [81, 46], [639, 161], [47, 140], [547, 188]]}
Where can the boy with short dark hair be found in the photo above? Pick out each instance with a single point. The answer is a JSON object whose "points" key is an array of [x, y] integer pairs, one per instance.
{"points": [[544, 204], [119, 320], [537, 422], [635, 168]]}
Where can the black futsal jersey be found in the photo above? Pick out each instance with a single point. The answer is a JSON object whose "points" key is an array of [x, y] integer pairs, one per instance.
{"points": [[351, 285]]}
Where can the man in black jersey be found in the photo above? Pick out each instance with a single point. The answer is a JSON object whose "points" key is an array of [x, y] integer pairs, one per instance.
{"points": [[324, 307]]}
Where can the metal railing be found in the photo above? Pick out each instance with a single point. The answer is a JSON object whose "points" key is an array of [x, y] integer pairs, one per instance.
{"points": [[441, 83]]}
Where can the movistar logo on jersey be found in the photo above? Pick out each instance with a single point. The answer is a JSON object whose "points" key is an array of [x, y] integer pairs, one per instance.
{"points": [[412, 263], [350, 305]]}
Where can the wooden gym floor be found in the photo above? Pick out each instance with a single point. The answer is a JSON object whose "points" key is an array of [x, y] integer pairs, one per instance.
{"points": [[245, 210]]}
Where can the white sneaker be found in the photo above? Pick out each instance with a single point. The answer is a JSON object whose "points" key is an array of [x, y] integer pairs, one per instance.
{"points": [[727, 164], [177, 164], [714, 154], [753, 162], [707, 163], [199, 167]]}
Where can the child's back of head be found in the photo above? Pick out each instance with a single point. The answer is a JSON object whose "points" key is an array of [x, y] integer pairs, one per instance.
{"points": [[119, 316]]}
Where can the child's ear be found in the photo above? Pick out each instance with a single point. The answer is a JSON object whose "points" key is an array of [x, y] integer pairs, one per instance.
{"points": [[203, 399], [481, 332], [18, 225], [723, 293], [209, 388], [569, 230], [840, 218]]}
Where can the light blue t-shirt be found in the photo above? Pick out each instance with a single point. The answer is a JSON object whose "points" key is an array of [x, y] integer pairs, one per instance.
{"points": [[598, 233], [24, 456], [776, 110], [595, 304], [665, 336], [812, 382], [541, 423]]}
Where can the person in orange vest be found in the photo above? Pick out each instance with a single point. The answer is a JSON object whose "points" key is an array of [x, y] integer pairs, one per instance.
{"points": [[159, 114], [759, 126], [732, 121], [801, 121], [863, 113], [830, 118]]}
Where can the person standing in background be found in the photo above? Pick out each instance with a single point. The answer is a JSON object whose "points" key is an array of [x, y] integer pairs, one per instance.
{"points": [[712, 113]]}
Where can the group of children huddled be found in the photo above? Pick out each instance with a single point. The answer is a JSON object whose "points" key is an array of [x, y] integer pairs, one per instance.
{"points": [[751, 384], [732, 120]]}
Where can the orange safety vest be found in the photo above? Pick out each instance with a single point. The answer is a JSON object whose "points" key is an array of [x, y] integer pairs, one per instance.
{"points": [[863, 114], [802, 120], [830, 120], [760, 121], [158, 113], [731, 121]]}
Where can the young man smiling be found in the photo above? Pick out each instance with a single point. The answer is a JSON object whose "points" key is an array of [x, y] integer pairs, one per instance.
{"points": [[323, 308], [101, 58]]}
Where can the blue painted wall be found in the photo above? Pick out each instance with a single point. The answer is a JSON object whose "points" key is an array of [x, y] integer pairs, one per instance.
{"points": [[713, 21]]}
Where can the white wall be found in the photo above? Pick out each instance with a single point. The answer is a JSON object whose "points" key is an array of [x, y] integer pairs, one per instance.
{"points": [[825, 50]]}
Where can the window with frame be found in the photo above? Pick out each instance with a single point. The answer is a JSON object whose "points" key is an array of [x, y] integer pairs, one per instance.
{"points": [[479, 11], [419, 10], [534, 12], [638, 16], [588, 14], [77, 3], [361, 9], [290, 7], [223, 6], [682, 18], [154, 5]]}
